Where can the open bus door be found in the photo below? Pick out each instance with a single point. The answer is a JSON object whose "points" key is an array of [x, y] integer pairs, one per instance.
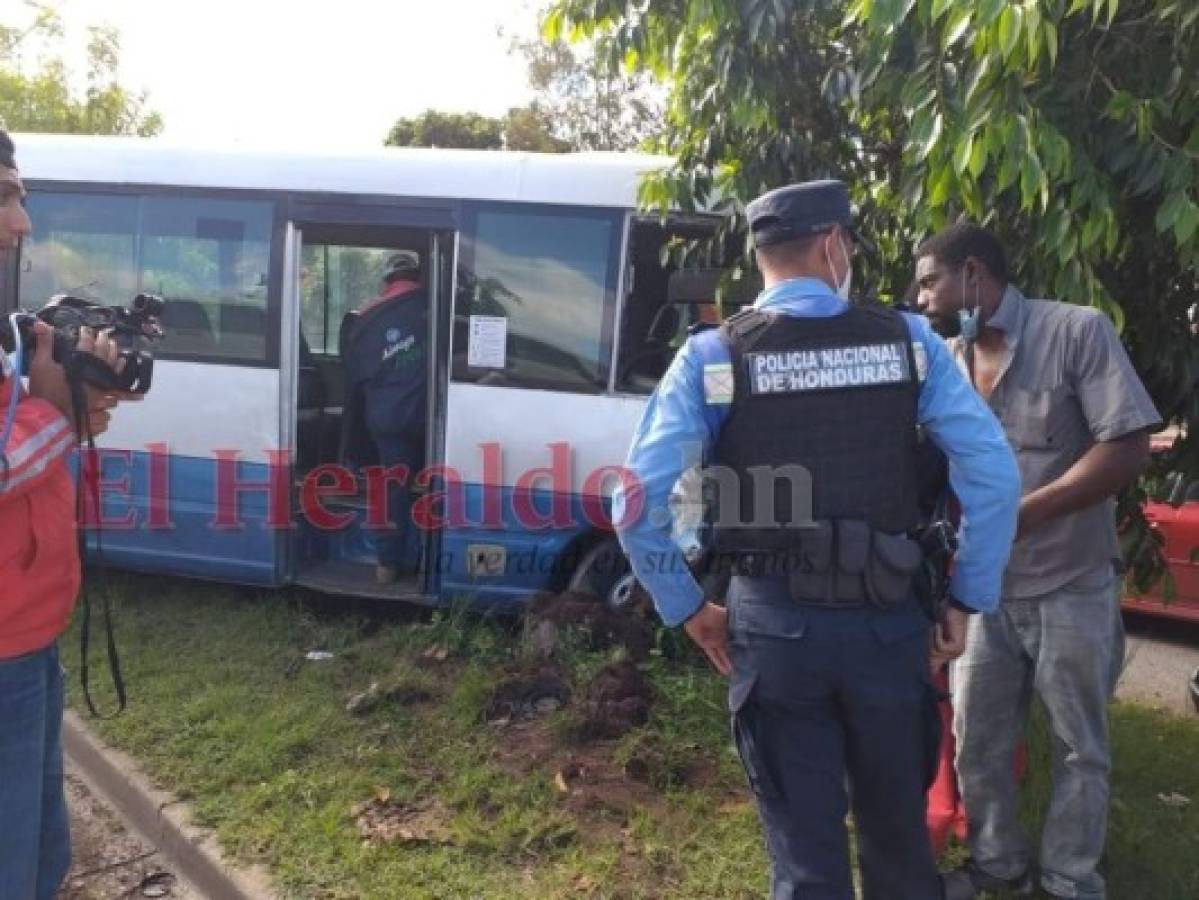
{"points": [[335, 262]]}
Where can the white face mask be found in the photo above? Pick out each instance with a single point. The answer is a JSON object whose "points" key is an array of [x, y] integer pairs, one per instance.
{"points": [[844, 286]]}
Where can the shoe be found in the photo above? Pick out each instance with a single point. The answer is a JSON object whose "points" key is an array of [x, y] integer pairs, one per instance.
{"points": [[969, 881], [385, 574]]}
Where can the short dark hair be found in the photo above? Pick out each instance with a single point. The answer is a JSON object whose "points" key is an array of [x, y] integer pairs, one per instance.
{"points": [[962, 240], [792, 250], [8, 157]]}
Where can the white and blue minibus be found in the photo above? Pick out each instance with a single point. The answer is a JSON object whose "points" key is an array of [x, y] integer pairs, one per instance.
{"points": [[551, 321]]}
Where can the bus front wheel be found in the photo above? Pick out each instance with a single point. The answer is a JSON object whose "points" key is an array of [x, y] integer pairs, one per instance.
{"points": [[604, 573]]}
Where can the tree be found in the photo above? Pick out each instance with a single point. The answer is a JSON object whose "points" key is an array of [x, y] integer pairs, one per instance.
{"points": [[523, 128], [529, 128], [592, 103], [44, 100], [1071, 127], [432, 128]]}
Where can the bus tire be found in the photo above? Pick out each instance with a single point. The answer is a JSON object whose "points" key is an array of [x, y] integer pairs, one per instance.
{"points": [[604, 573]]}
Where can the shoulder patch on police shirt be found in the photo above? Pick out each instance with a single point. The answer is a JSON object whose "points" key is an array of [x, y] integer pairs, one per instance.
{"points": [[800, 371], [921, 355], [718, 383]]}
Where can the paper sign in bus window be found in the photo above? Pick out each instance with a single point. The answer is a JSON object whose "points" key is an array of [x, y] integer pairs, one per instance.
{"points": [[487, 346]]}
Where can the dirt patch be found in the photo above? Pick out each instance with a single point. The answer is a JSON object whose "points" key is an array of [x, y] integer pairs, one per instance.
{"points": [[618, 700], [107, 860], [524, 697], [548, 615], [382, 820]]}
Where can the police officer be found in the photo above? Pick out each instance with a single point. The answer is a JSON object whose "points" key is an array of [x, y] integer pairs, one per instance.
{"points": [[828, 652]]}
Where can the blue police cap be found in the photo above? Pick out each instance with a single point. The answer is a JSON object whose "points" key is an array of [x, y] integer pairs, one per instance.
{"points": [[797, 210]]}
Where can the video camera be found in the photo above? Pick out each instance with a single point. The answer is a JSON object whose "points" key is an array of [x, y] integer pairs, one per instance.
{"points": [[132, 327]]}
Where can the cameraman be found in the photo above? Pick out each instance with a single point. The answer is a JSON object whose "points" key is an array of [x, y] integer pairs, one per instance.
{"points": [[39, 571]]}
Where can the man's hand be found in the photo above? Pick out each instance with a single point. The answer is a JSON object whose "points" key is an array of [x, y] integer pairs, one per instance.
{"points": [[949, 639], [1101, 472], [710, 629], [48, 380], [99, 404]]}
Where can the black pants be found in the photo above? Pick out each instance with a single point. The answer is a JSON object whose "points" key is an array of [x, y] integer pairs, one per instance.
{"points": [[833, 710]]}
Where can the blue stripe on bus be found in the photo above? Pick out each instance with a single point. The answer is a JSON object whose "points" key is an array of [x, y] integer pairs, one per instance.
{"points": [[192, 546], [535, 559]]}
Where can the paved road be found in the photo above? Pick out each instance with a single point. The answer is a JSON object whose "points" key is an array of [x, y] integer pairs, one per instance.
{"points": [[1160, 658]]}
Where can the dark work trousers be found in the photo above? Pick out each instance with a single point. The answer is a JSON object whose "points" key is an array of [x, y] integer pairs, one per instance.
{"points": [[399, 545], [833, 710]]}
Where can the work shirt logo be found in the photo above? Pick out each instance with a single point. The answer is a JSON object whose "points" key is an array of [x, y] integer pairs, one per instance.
{"points": [[401, 351], [801, 371]]}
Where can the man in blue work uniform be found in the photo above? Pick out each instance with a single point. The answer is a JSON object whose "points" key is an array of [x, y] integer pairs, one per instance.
{"points": [[828, 651], [384, 352]]}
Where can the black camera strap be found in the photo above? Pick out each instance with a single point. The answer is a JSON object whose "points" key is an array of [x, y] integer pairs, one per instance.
{"points": [[92, 480]]}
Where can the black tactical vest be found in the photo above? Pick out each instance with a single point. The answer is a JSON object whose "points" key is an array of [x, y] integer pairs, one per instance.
{"points": [[834, 395]]}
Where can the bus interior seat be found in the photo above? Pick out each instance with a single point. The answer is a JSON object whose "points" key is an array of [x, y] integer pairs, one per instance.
{"points": [[187, 327], [243, 329]]}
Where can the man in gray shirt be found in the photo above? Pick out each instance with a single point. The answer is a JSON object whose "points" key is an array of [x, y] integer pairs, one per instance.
{"points": [[1078, 418]]}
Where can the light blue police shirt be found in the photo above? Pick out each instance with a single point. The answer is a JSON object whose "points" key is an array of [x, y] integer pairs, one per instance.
{"points": [[679, 427]]}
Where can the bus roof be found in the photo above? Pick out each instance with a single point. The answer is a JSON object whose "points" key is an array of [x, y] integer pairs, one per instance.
{"points": [[576, 179]]}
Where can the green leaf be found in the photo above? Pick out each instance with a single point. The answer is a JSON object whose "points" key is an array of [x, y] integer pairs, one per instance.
{"points": [[1057, 227], [1113, 6], [1009, 29], [941, 183], [988, 11], [956, 26], [1051, 42], [963, 152], [978, 76], [1009, 171], [551, 25], [933, 137], [1032, 27], [1032, 177], [926, 129], [1186, 222], [858, 12], [1167, 213], [940, 7], [1078, 6], [978, 158]]}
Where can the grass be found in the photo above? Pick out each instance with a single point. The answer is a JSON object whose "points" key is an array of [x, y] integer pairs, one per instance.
{"points": [[226, 711]]}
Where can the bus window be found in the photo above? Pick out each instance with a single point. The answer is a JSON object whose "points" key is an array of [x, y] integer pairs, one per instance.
{"points": [[208, 258], [662, 302], [333, 281], [549, 277]]}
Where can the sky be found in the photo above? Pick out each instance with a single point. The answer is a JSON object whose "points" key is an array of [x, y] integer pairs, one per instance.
{"points": [[332, 75]]}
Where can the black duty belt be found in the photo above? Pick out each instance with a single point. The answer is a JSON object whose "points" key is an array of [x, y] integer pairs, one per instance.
{"points": [[843, 563]]}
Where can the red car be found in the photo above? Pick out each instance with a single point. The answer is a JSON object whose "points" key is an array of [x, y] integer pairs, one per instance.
{"points": [[1175, 513]]}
